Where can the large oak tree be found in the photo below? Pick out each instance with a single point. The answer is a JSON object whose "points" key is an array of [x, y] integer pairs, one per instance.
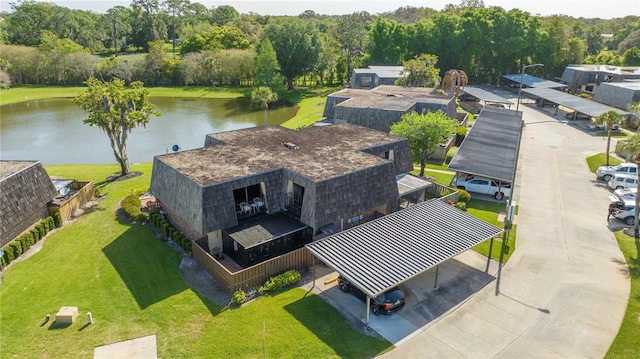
{"points": [[116, 109]]}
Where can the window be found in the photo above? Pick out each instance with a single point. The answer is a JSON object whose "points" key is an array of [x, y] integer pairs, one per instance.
{"points": [[366, 81]]}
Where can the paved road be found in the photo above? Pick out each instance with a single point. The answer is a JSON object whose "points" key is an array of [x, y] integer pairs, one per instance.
{"points": [[564, 291]]}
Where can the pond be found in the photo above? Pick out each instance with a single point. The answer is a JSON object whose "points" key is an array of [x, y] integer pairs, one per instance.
{"points": [[52, 131]]}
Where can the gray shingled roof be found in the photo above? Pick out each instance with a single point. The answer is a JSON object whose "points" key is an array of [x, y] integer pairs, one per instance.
{"points": [[383, 253], [485, 96], [490, 148], [532, 81], [577, 103]]}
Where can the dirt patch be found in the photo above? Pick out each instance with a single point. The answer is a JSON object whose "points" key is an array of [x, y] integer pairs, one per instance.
{"points": [[118, 177]]}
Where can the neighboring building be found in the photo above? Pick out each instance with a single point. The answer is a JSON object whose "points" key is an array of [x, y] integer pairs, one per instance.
{"points": [[374, 76], [383, 106], [620, 94], [260, 192], [25, 191], [587, 78]]}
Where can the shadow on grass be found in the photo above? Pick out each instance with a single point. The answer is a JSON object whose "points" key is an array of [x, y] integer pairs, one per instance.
{"points": [[331, 328], [146, 265], [57, 326]]}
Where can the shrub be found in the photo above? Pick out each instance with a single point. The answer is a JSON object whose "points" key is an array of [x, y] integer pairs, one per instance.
{"points": [[26, 241], [3, 261], [51, 222], [45, 226], [461, 205], [452, 152], [461, 133], [164, 227], [239, 297], [57, 220], [41, 230], [131, 207], [464, 196], [16, 248], [280, 281], [35, 234], [8, 254]]}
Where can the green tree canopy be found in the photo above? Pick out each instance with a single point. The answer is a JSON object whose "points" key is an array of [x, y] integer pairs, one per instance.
{"points": [[116, 110], [420, 72], [608, 119], [424, 132], [297, 45], [263, 96], [267, 69]]}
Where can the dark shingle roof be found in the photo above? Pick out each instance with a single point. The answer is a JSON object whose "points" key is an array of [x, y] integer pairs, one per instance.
{"points": [[383, 253], [323, 152]]}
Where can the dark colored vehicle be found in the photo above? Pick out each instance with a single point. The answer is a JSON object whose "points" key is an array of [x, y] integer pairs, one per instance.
{"points": [[577, 116], [465, 97], [386, 303]]}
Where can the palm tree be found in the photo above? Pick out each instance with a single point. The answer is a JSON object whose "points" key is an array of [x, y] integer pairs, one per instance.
{"points": [[608, 119], [264, 96], [453, 80], [632, 147]]}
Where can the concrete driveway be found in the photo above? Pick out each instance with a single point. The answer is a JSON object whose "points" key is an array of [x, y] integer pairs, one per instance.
{"points": [[564, 291]]}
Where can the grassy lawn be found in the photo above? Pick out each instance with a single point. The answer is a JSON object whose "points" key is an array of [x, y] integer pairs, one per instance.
{"points": [[488, 212], [616, 134], [130, 281], [600, 159], [627, 341]]}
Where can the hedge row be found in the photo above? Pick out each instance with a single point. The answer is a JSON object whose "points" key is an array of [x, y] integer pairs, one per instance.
{"points": [[280, 281], [131, 207], [22, 244], [167, 229]]}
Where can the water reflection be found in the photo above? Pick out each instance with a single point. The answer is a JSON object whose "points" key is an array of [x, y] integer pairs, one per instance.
{"points": [[52, 130]]}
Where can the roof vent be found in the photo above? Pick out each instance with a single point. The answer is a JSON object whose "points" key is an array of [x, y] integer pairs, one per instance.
{"points": [[290, 145]]}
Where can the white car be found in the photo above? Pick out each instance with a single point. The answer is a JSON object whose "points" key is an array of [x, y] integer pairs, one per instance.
{"points": [[622, 180], [624, 194], [471, 183], [626, 213], [602, 127], [607, 172]]}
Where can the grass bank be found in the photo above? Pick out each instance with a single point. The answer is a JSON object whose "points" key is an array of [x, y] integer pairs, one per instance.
{"points": [[627, 342], [130, 281], [600, 159]]}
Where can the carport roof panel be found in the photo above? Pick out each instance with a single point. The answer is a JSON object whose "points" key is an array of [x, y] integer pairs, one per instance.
{"points": [[576, 103], [484, 95], [491, 146], [383, 253], [532, 81]]}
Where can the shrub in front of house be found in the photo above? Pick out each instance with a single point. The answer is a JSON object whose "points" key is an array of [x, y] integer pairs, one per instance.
{"points": [[239, 296], [450, 153], [35, 234], [26, 241], [280, 281], [57, 220], [131, 207], [461, 205], [461, 133], [464, 196], [15, 248]]}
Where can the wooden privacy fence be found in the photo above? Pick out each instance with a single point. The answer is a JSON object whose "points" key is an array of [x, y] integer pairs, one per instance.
{"points": [[67, 208], [253, 276], [443, 193]]}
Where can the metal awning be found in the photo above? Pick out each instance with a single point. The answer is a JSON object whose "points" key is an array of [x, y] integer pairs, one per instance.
{"points": [[576, 103], [408, 184], [490, 149], [532, 81], [263, 229], [388, 251], [485, 96]]}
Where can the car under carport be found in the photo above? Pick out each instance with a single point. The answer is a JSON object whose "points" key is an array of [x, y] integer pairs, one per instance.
{"points": [[391, 250]]}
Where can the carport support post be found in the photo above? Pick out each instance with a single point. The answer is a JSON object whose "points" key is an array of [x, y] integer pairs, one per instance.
{"points": [[435, 284], [368, 304]]}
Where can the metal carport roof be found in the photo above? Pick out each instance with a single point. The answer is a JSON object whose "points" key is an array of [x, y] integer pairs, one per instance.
{"points": [[532, 81], [388, 251], [485, 96], [490, 149], [576, 103]]}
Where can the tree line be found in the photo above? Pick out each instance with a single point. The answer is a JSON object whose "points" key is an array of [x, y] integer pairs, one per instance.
{"points": [[179, 42]]}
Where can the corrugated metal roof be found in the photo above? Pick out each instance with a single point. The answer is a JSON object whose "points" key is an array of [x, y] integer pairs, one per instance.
{"points": [[491, 146], [484, 95], [383, 253], [577, 103], [408, 184], [532, 81]]}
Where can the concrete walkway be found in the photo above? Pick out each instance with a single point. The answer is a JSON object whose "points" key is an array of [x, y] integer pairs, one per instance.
{"points": [[564, 292]]}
